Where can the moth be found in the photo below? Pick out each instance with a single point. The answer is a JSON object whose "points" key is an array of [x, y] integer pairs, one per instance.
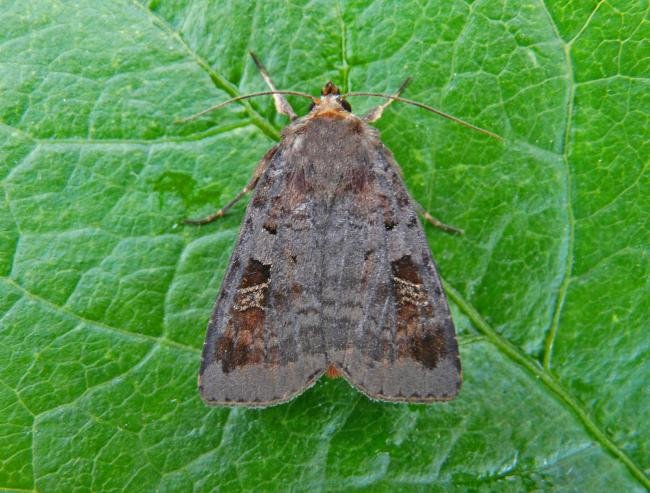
{"points": [[331, 272]]}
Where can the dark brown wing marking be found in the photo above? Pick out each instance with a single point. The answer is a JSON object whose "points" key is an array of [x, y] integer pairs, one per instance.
{"points": [[242, 342], [416, 336]]}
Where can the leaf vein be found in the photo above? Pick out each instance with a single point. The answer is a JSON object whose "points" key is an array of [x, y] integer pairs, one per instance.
{"points": [[94, 323], [218, 80], [566, 251], [540, 373]]}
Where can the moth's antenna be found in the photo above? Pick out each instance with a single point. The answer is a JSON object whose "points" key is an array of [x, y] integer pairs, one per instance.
{"points": [[375, 114], [395, 97], [281, 104], [245, 96]]}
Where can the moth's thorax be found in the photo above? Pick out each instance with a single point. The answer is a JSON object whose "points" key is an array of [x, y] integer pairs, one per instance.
{"points": [[329, 157], [329, 122], [329, 134], [329, 106]]}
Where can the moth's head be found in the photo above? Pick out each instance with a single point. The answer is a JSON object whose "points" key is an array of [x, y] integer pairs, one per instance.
{"points": [[330, 102]]}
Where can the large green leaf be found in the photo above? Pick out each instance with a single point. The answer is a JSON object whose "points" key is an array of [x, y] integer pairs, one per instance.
{"points": [[105, 296]]}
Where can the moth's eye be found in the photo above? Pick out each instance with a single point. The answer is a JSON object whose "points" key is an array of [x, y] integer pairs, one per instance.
{"points": [[312, 106], [346, 105]]}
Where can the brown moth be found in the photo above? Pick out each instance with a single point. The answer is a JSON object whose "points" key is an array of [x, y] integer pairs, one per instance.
{"points": [[331, 272]]}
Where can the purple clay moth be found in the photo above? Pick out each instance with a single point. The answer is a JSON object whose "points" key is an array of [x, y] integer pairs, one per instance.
{"points": [[331, 273]]}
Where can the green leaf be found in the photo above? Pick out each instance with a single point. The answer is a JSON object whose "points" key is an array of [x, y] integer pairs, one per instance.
{"points": [[104, 296]]}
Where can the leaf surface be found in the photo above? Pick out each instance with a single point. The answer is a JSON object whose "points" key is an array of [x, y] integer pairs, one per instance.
{"points": [[104, 295]]}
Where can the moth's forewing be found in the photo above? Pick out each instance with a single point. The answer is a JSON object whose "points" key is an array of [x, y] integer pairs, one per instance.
{"points": [[391, 332], [258, 351], [331, 268]]}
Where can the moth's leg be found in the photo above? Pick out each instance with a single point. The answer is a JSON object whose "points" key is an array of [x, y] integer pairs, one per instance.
{"points": [[248, 188], [375, 113], [436, 222], [427, 217], [220, 212], [282, 106]]}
